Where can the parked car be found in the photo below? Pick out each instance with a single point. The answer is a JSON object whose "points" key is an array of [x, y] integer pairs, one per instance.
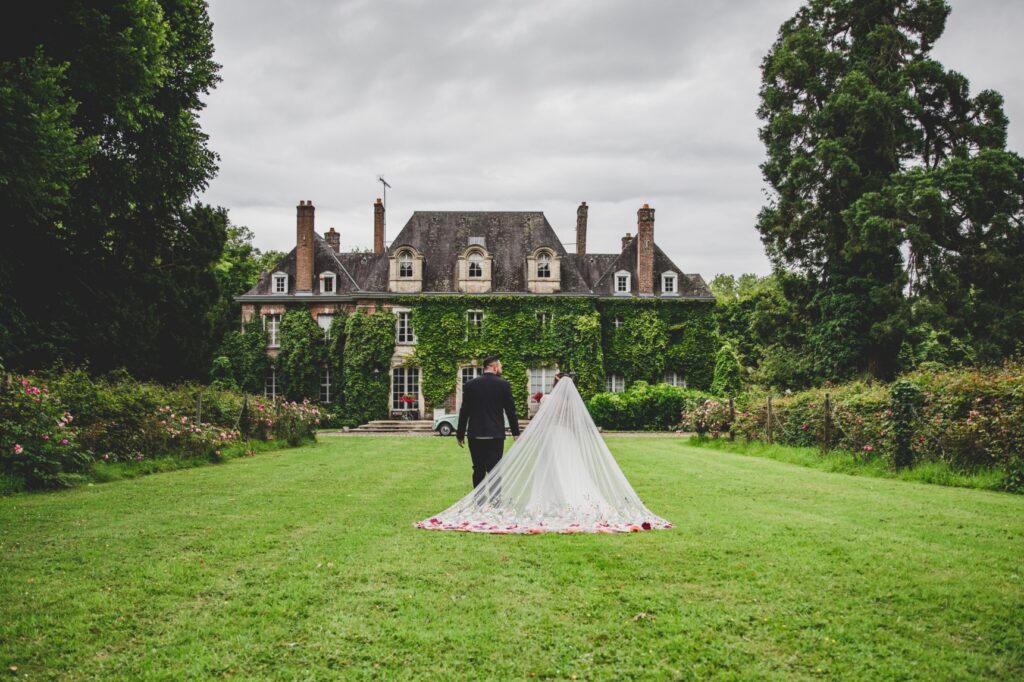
{"points": [[449, 423]]}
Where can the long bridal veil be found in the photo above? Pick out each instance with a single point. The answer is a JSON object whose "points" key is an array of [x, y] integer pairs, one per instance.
{"points": [[559, 476]]}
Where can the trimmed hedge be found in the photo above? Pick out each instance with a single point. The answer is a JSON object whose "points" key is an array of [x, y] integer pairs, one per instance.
{"points": [[644, 407]]}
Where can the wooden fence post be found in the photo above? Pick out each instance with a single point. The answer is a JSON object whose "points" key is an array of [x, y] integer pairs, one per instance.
{"points": [[827, 436], [732, 419], [199, 408], [768, 424]]}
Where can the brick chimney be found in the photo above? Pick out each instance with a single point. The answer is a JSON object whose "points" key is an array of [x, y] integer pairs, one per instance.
{"points": [[645, 250], [333, 238], [304, 248], [581, 230], [626, 240], [378, 228]]}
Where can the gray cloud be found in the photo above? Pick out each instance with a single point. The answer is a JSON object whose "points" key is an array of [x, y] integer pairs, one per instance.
{"points": [[522, 105]]}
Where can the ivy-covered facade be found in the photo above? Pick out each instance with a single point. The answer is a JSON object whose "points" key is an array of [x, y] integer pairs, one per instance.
{"points": [[399, 331]]}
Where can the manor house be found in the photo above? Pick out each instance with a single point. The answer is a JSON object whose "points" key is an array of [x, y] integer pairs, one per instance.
{"points": [[460, 253]]}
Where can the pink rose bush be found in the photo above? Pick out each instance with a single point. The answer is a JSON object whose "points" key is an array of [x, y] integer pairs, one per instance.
{"points": [[38, 445]]}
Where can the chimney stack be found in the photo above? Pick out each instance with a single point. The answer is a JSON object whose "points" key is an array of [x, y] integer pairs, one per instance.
{"points": [[626, 240], [581, 230], [333, 238], [378, 228], [645, 250], [304, 248]]}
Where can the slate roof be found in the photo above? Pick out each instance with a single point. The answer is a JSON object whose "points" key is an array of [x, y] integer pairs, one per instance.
{"points": [[509, 237]]}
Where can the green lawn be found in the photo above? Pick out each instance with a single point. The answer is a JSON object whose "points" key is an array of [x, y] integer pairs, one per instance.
{"points": [[303, 564]]}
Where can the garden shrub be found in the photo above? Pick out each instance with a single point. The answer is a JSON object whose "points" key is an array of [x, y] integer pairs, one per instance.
{"points": [[38, 444], [970, 419], [644, 407]]}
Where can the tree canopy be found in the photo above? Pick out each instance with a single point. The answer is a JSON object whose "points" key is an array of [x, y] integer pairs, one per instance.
{"points": [[108, 259], [894, 198]]}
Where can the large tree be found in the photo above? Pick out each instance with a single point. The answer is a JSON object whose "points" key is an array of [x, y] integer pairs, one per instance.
{"points": [[108, 260], [891, 184]]}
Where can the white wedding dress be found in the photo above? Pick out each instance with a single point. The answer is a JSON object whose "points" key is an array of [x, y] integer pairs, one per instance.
{"points": [[558, 477]]}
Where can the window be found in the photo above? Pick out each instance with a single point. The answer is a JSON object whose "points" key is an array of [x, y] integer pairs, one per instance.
{"points": [[542, 379], [280, 285], [470, 373], [543, 266], [544, 318], [674, 379], [405, 264], [325, 385], [405, 388], [476, 268], [617, 322], [668, 283], [272, 325], [327, 283], [270, 383], [403, 328], [614, 383], [622, 282], [325, 322], [474, 323]]}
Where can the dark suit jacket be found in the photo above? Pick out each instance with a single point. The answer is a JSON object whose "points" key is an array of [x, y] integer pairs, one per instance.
{"points": [[483, 401]]}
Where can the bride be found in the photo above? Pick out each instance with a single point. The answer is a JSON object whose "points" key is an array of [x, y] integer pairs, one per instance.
{"points": [[558, 477]]}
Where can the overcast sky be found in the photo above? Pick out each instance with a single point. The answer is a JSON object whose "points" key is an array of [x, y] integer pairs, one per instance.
{"points": [[524, 105]]}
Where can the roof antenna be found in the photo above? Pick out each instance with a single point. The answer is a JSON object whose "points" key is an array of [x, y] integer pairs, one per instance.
{"points": [[381, 180]]}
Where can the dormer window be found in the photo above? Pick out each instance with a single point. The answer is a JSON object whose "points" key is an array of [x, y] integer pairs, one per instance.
{"points": [[279, 283], [405, 264], [669, 283], [476, 265], [327, 283], [543, 265], [622, 283]]}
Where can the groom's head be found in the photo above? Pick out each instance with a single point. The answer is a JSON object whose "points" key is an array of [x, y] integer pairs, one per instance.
{"points": [[492, 363]]}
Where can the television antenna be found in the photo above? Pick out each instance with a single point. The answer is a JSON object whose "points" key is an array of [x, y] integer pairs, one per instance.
{"points": [[386, 186]]}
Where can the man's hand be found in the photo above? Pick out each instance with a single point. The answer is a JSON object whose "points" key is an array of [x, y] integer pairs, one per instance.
{"points": [[461, 442]]}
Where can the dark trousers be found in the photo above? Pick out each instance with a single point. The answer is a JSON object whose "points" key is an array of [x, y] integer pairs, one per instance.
{"points": [[486, 453]]}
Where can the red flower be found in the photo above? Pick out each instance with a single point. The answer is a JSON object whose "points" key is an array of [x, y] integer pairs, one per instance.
{"points": [[537, 396], [646, 525], [407, 399]]}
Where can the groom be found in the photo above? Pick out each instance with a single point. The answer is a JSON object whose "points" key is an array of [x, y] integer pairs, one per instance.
{"points": [[484, 399]]}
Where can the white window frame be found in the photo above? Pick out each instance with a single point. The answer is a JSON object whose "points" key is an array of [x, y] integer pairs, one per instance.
{"points": [[614, 383], [544, 260], [473, 370], [617, 322], [325, 321], [407, 373], [544, 317], [406, 336], [472, 329], [405, 260], [276, 279], [618, 283], [666, 277], [332, 278], [272, 325], [325, 384], [542, 379], [270, 384], [674, 379], [476, 258]]}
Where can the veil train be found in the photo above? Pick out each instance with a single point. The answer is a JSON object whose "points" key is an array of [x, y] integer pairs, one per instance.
{"points": [[558, 477]]}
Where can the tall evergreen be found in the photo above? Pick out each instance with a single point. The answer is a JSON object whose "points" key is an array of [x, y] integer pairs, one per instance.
{"points": [[891, 185]]}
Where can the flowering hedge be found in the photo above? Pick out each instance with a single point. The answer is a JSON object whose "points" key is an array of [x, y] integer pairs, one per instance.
{"points": [[970, 419], [54, 428]]}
